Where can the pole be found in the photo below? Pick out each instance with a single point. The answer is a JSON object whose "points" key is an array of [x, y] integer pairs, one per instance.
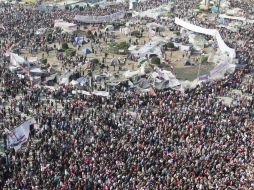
{"points": [[198, 70], [218, 8]]}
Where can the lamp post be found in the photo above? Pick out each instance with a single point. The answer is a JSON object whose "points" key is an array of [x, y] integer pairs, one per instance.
{"points": [[218, 8]]}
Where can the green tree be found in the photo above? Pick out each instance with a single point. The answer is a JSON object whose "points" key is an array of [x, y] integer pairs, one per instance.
{"points": [[65, 46], [70, 52], [155, 60]]}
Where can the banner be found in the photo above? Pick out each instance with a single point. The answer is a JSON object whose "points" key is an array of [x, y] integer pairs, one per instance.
{"points": [[221, 69], [19, 135], [101, 93], [99, 19], [212, 32]]}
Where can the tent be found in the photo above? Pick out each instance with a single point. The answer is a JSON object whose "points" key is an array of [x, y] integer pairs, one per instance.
{"points": [[16, 60], [109, 28], [65, 26], [115, 61], [155, 26], [80, 40], [36, 71], [86, 51]]}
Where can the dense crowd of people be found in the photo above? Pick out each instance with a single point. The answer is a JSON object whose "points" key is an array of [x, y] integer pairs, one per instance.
{"points": [[167, 140]]}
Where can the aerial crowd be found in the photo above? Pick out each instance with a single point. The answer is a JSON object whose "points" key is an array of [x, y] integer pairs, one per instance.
{"points": [[166, 140]]}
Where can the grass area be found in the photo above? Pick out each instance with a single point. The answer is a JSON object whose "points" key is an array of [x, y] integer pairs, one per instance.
{"points": [[190, 72]]}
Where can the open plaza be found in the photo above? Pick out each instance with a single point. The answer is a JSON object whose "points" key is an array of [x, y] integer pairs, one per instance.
{"points": [[126, 94]]}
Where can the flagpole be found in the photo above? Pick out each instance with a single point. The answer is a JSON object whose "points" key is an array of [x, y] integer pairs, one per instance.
{"points": [[199, 69]]}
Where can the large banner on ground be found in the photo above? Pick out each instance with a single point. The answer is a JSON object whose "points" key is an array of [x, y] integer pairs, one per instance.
{"points": [[99, 19], [19, 135], [213, 32]]}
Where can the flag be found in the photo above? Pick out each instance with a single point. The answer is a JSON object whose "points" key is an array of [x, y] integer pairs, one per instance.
{"points": [[44, 167], [19, 135]]}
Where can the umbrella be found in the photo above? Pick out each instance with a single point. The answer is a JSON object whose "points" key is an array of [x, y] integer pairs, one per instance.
{"points": [[86, 51]]}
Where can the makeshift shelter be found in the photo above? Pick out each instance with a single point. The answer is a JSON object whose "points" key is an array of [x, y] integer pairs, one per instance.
{"points": [[32, 59], [65, 26], [41, 31], [36, 71], [86, 51], [154, 26], [109, 28], [81, 40], [115, 61], [154, 13], [151, 48]]}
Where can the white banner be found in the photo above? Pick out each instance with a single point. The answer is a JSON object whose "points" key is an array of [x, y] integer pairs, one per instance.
{"points": [[101, 93], [213, 32], [19, 135], [99, 19]]}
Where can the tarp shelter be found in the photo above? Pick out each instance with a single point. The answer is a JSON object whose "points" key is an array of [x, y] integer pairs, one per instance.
{"points": [[16, 60], [80, 40], [86, 51], [41, 31], [82, 81], [32, 59], [115, 61], [155, 26], [154, 13], [66, 26], [36, 71], [151, 48], [109, 28]]}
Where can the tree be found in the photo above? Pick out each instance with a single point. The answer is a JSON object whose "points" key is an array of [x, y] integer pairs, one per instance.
{"points": [[65, 46], [70, 52], [156, 60], [115, 47], [170, 45], [89, 34], [44, 61], [136, 33], [95, 61]]}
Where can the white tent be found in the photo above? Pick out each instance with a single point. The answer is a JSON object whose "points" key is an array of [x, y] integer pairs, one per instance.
{"points": [[154, 13], [151, 48], [16, 60], [109, 28], [65, 26]]}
